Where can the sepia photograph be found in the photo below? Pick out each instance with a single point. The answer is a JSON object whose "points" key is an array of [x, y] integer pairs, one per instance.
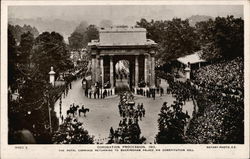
{"points": [[113, 74]]}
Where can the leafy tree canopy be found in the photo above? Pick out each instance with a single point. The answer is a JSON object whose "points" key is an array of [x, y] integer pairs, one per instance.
{"points": [[51, 50], [12, 59], [25, 47], [222, 37], [83, 34], [17, 31], [175, 37], [92, 33], [72, 132]]}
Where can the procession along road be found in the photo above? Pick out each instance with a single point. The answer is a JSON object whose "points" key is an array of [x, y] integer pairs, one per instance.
{"points": [[104, 113]]}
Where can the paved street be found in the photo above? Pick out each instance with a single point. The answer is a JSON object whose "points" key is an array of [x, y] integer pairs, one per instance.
{"points": [[104, 112]]}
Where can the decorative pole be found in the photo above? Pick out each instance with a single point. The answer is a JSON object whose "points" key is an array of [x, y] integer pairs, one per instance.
{"points": [[47, 97], [50, 125], [52, 76], [187, 72]]}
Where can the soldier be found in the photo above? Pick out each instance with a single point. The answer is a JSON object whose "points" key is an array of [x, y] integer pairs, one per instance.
{"points": [[141, 105], [62, 118], [153, 93], [86, 92], [90, 93], [138, 106], [143, 112], [111, 132], [98, 93], [161, 91]]}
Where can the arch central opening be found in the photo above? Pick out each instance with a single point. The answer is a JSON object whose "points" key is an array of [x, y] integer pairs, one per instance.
{"points": [[123, 80]]}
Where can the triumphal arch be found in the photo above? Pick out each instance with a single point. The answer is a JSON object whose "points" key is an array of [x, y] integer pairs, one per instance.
{"points": [[123, 43]]}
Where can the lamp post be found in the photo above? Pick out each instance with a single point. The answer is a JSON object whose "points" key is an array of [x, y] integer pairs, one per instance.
{"points": [[52, 76], [187, 72], [47, 96]]}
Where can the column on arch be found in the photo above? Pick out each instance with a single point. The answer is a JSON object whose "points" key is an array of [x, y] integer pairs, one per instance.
{"points": [[102, 71], [98, 71], [111, 71], [145, 69], [136, 71], [153, 71], [93, 70], [149, 70]]}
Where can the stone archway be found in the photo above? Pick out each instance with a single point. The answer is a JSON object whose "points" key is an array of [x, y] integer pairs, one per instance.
{"points": [[139, 54]]}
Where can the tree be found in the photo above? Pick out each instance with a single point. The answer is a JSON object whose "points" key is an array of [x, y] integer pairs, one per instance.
{"points": [[32, 30], [175, 37], [92, 33], [127, 135], [82, 27], [17, 31], [229, 37], [78, 39], [12, 60], [171, 125], [179, 40], [48, 49], [82, 35], [221, 38], [51, 50], [25, 48], [72, 132]]}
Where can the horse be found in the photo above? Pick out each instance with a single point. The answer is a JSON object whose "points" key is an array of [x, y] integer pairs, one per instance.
{"points": [[83, 111], [72, 110]]}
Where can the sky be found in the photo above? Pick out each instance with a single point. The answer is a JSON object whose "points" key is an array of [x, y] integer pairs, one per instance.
{"points": [[121, 15]]}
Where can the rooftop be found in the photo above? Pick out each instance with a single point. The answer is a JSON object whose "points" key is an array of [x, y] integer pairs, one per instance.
{"points": [[193, 58], [122, 36], [122, 29]]}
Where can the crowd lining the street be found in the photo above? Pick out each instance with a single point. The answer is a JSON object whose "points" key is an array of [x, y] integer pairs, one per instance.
{"points": [[217, 89]]}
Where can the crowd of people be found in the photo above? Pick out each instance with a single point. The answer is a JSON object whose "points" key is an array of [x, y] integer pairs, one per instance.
{"points": [[183, 91], [128, 131], [221, 104], [217, 91], [150, 92], [224, 76], [222, 122], [98, 93]]}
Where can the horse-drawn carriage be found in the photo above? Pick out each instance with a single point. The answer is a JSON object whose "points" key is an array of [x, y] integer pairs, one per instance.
{"points": [[131, 104], [127, 99]]}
